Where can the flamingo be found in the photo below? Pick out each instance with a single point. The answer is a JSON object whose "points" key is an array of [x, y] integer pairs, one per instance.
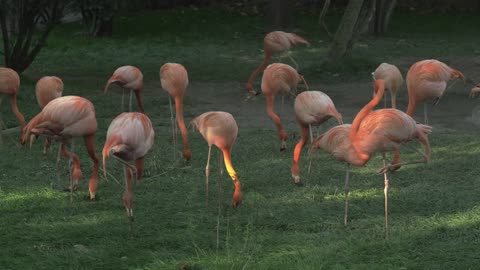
{"points": [[128, 77], [274, 43], [312, 108], [220, 129], [63, 119], [129, 137], [279, 79], [426, 82], [475, 90], [174, 80], [381, 131], [393, 81], [47, 89], [9, 84]]}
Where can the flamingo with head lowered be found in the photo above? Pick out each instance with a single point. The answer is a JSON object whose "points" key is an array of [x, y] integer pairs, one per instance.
{"points": [[220, 129]]}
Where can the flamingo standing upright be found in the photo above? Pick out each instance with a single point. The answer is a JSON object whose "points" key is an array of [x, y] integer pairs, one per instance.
{"points": [[381, 131], [63, 119], [174, 80], [128, 77], [279, 79], [426, 82], [312, 108], [47, 89], [129, 137], [393, 81], [220, 129], [274, 43], [9, 84]]}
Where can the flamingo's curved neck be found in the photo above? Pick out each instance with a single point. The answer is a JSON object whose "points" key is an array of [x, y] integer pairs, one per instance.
{"points": [[380, 89]]}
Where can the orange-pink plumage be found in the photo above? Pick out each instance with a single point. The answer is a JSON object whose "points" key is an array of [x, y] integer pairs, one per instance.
{"points": [[274, 43], [279, 79], [372, 132], [427, 81], [174, 80], [220, 129], [9, 85]]}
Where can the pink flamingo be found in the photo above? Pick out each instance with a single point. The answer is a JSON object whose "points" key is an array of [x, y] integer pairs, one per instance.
{"points": [[474, 91], [174, 80], [426, 82], [312, 108], [129, 137], [279, 79], [274, 43], [393, 81], [63, 119], [47, 89], [381, 131], [220, 129], [9, 84], [128, 77]]}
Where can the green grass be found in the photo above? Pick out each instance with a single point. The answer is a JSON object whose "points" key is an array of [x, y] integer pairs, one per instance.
{"points": [[434, 213], [434, 208]]}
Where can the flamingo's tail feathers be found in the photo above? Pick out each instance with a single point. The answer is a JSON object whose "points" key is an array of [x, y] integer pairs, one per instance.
{"points": [[339, 118], [27, 130], [458, 74], [295, 39], [424, 129]]}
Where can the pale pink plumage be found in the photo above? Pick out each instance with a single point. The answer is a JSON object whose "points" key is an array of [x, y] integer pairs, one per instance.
{"points": [[474, 91], [393, 80], [129, 137], [128, 77], [312, 108], [47, 89], [63, 119], [220, 129]]}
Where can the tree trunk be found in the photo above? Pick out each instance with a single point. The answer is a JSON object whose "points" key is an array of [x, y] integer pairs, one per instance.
{"points": [[363, 21], [105, 28], [344, 34], [321, 17], [383, 12], [20, 49]]}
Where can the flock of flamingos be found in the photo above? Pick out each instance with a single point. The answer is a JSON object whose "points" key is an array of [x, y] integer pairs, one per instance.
{"points": [[131, 135]]}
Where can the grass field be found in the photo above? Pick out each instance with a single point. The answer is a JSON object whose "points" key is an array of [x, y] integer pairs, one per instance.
{"points": [[434, 208]]}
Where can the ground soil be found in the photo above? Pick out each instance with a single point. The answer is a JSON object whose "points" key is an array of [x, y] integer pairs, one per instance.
{"points": [[454, 111]]}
